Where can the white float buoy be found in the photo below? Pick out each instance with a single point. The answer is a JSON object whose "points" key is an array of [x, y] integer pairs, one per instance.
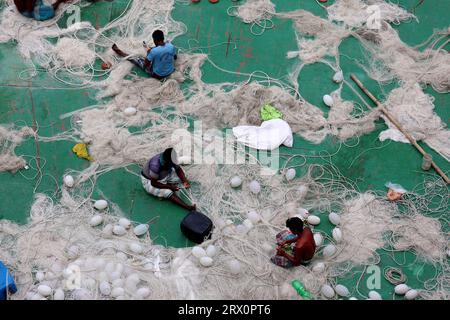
{"points": [[290, 174], [319, 267], [136, 248], [141, 229], [206, 261], [58, 294], [329, 251], [130, 111], [105, 288], [334, 218], [40, 276], [248, 224], [342, 290], [373, 295], [253, 216], [124, 222], [235, 182], [107, 230], [327, 291], [118, 283], [183, 160], [117, 292], [37, 296], [100, 204], [328, 100], [68, 180], [411, 294], [255, 187], [313, 220], [211, 251], [143, 292], [44, 290], [234, 266], [119, 230], [302, 191], [96, 220], [337, 234], [198, 252], [401, 289], [73, 252], [242, 229], [318, 239], [302, 212], [338, 76]]}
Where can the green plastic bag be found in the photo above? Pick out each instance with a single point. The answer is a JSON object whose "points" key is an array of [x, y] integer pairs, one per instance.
{"points": [[298, 286], [269, 112]]}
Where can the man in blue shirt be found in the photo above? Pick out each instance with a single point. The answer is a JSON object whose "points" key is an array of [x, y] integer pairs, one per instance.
{"points": [[38, 9], [160, 59]]}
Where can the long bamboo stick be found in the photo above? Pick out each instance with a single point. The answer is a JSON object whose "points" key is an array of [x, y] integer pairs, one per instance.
{"points": [[398, 125]]}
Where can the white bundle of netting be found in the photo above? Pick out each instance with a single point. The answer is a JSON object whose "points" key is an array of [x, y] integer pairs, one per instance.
{"points": [[415, 111], [79, 248], [390, 58], [326, 36], [257, 12], [71, 59], [10, 138], [370, 13], [242, 105]]}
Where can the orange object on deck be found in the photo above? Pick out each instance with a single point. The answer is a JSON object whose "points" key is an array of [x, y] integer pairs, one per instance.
{"points": [[393, 195], [106, 65]]}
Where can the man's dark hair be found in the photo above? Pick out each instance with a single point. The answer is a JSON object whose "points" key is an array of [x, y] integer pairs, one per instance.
{"points": [[167, 157], [158, 35], [295, 224]]}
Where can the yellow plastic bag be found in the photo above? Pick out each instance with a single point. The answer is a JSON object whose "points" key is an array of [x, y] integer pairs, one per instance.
{"points": [[80, 149]]}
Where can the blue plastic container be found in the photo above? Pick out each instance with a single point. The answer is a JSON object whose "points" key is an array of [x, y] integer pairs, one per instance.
{"points": [[6, 282]]}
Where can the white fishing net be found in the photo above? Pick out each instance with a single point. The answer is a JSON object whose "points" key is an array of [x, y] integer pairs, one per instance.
{"points": [[258, 13], [61, 253], [10, 138], [415, 111], [370, 13]]}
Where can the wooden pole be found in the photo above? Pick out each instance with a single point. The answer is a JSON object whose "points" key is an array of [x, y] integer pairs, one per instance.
{"points": [[399, 126]]}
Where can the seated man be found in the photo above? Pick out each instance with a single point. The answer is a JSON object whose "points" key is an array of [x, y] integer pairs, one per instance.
{"points": [[295, 246], [160, 176], [160, 60], [37, 9]]}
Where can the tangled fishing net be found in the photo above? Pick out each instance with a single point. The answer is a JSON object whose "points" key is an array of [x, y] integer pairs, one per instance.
{"points": [[10, 138], [62, 249], [391, 58], [414, 109], [70, 250], [258, 13], [357, 13], [316, 37]]}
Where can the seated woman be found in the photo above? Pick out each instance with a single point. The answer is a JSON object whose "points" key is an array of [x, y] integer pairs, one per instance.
{"points": [[296, 246], [38, 9]]}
